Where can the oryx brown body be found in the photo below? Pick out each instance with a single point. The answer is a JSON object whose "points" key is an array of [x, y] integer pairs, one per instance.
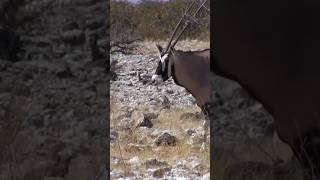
{"points": [[191, 70], [272, 49]]}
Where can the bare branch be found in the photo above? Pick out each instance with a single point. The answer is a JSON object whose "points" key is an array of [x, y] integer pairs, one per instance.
{"points": [[178, 25], [188, 22]]}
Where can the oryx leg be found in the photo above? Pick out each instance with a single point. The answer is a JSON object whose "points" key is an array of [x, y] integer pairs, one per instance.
{"points": [[206, 123], [205, 128], [205, 134]]}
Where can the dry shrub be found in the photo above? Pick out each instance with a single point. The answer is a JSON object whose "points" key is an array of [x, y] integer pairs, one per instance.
{"points": [[153, 20]]}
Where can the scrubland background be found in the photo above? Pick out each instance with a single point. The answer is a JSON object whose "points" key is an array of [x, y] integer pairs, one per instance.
{"points": [[154, 20]]}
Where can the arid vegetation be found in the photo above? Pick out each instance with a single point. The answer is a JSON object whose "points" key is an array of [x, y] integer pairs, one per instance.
{"points": [[155, 19], [152, 21]]}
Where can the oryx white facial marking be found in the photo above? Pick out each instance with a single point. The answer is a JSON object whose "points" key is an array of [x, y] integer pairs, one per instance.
{"points": [[164, 57], [163, 60]]}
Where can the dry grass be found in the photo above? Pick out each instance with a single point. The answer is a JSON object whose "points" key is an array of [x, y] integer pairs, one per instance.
{"points": [[134, 143], [170, 119]]}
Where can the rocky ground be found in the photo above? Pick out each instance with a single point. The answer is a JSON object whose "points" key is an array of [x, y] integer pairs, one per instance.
{"points": [[156, 131], [53, 97], [236, 112], [142, 113]]}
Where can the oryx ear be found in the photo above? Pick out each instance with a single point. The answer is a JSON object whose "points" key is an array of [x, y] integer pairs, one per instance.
{"points": [[160, 49]]}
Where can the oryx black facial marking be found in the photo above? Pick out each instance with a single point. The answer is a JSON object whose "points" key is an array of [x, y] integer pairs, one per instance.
{"points": [[164, 68]]}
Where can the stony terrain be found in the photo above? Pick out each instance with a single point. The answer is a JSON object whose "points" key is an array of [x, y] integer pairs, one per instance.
{"points": [[236, 111], [53, 97], [157, 129], [141, 113]]}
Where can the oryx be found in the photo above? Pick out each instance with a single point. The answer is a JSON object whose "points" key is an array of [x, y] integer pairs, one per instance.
{"points": [[189, 69], [272, 49]]}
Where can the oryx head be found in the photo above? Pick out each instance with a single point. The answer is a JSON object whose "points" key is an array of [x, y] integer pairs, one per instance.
{"points": [[164, 68]]}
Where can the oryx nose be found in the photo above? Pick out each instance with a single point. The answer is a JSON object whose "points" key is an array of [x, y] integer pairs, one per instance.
{"points": [[155, 79]]}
